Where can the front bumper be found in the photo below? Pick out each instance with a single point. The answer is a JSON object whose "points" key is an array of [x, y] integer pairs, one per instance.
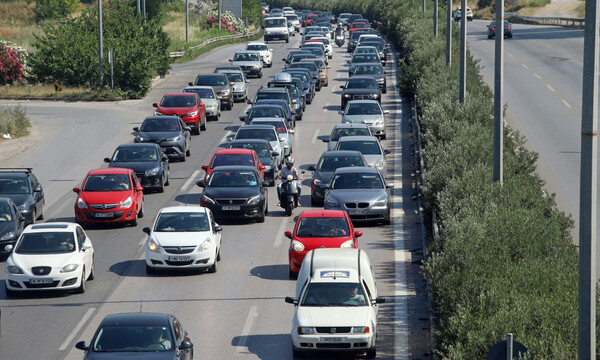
{"points": [[150, 182], [53, 281], [295, 259], [344, 342], [98, 216], [170, 258], [245, 211], [365, 214]]}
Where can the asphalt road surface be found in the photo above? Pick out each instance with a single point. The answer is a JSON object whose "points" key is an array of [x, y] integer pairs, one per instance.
{"points": [[238, 312]]}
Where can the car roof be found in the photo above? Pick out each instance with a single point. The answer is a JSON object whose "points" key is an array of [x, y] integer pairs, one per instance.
{"points": [[350, 125], [274, 90], [357, 138], [187, 209], [322, 213], [234, 167], [108, 171], [334, 153], [135, 319], [355, 169], [162, 117], [138, 145], [179, 94], [52, 226], [233, 151]]}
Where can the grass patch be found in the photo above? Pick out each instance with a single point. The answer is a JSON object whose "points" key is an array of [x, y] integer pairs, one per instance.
{"points": [[193, 53], [14, 121], [46, 91], [17, 24]]}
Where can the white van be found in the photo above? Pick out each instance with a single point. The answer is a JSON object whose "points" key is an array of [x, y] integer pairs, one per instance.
{"points": [[336, 303], [276, 28]]}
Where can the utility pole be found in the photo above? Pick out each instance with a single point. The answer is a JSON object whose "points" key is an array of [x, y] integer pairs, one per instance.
{"points": [[144, 10], [137, 7], [219, 14], [435, 18], [424, 6], [100, 70], [499, 95], [586, 346], [187, 23], [449, 32], [463, 51]]}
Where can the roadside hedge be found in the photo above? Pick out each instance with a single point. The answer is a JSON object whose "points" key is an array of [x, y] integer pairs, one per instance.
{"points": [[505, 261]]}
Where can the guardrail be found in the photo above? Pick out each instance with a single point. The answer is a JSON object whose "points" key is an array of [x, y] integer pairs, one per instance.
{"points": [[178, 54], [548, 20]]}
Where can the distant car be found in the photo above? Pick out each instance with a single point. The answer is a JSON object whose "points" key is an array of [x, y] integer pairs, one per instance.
{"points": [[249, 61], [169, 132], [311, 67], [380, 47], [293, 18], [266, 54], [264, 111], [289, 112], [209, 97], [347, 129], [141, 336], [148, 161], [309, 19], [360, 88], [283, 131], [361, 59], [12, 224], [370, 148], [235, 192], [264, 150], [21, 185], [275, 27], [325, 40], [367, 112], [112, 195], [264, 132], [491, 30], [457, 14], [307, 83], [343, 18], [187, 106], [267, 93], [220, 84], [325, 167], [51, 256], [240, 89], [374, 70], [362, 192], [183, 238], [230, 157], [322, 67], [315, 229]]}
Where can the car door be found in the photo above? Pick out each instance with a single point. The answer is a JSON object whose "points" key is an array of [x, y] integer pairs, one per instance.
{"points": [[138, 196], [87, 255], [216, 234], [38, 194], [19, 218]]}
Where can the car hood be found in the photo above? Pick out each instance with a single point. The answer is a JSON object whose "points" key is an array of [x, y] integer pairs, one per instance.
{"points": [[324, 176], [360, 91], [209, 101], [137, 166], [358, 195], [231, 192], [7, 226], [325, 316], [311, 243], [159, 135], [175, 110], [181, 238], [245, 63], [56, 261], [149, 355], [365, 119], [104, 197], [373, 159], [18, 199]]}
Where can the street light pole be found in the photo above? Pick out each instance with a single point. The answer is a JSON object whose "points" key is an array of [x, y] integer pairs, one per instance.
{"points": [[219, 14], [449, 32], [100, 69], [499, 95], [463, 51], [435, 18], [187, 23]]}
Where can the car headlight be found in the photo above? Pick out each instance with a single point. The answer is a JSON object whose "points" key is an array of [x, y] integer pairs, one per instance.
{"points": [[23, 208], [152, 172], [297, 245], [156, 113], [331, 203], [69, 268], [225, 92], [206, 199], [380, 204], [140, 139], [9, 235], [305, 330], [347, 244], [176, 138], [361, 330], [346, 95], [193, 113], [211, 106], [254, 200], [268, 32], [81, 204], [205, 245], [14, 269], [153, 245], [379, 165], [127, 202]]}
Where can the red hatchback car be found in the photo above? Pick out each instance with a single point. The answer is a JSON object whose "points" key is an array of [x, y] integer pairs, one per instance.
{"points": [[358, 25], [108, 196], [187, 106], [227, 157], [319, 228], [309, 19]]}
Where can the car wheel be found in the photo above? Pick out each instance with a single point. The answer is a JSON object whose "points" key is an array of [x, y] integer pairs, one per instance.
{"points": [[9, 292], [167, 180], [197, 131], [134, 221], [287, 40], [182, 158], [81, 288], [260, 75], [41, 215], [292, 275], [141, 213], [371, 354], [161, 188], [384, 90], [92, 275], [213, 268], [202, 127], [384, 136], [150, 270], [261, 218], [219, 255], [188, 152], [266, 207]]}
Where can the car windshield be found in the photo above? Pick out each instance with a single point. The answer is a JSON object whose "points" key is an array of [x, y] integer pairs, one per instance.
{"points": [[271, 95], [338, 133], [365, 50], [211, 80], [305, 65], [234, 77], [5, 213], [365, 58], [133, 338], [161, 125], [46, 243], [357, 181], [374, 44], [245, 57], [178, 101], [331, 163], [315, 50], [262, 149], [107, 182], [181, 222], [258, 112], [368, 69], [333, 293], [135, 154], [256, 47], [279, 125], [14, 186], [322, 227], [203, 93], [232, 178], [298, 57], [363, 109], [319, 63], [275, 22], [265, 134], [232, 159], [361, 84], [300, 76], [366, 147]]}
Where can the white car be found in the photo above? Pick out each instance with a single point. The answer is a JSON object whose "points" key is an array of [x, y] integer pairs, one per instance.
{"points": [[266, 54], [183, 237], [367, 112], [51, 256], [327, 43], [457, 14]]}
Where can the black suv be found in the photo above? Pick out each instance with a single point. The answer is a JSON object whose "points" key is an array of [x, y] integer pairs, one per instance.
{"points": [[20, 185]]}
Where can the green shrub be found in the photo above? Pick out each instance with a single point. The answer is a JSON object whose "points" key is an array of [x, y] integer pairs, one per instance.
{"points": [[54, 9], [14, 121], [252, 9]]}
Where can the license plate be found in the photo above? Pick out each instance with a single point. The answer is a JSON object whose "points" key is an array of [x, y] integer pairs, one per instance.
{"points": [[357, 212], [104, 215], [230, 207], [179, 258], [332, 339], [40, 281]]}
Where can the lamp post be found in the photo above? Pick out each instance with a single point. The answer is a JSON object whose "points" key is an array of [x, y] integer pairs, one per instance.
{"points": [[100, 70]]}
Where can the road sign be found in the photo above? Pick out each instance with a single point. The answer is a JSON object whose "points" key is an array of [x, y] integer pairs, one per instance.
{"points": [[499, 351], [57, 87]]}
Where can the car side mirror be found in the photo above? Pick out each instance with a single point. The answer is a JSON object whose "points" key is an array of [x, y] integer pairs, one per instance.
{"points": [[229, 138], [358, 234], [312, 168], [200, 183], [275, 153], [266, 183], [288, 234], [155, 105], [136, 129], [243, 118], [262, 167], [191, 84], [284, 59], [379, 300], [187, 128], [186, 344], [201, 104], [76, 190], [8, 248], [107, 160], [204, 167], [271, 50], [139, 188], [146, 230], [389, 185], [291, 300], [81, 346], [348, 61], [218, 228], [292, 131], [341, 86], [387, 151], [38, 189]]}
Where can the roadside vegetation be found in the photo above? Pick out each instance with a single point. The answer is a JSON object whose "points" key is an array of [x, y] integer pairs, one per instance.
{"points": [[14, 122], [504, 261]]}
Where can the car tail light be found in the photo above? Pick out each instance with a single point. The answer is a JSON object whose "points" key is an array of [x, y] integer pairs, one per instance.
{"points": [[508, 28], [493, 28]]}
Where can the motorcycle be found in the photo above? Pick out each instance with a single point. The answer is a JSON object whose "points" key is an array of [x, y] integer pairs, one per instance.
{"points": [[340, 39], [289, 194]]}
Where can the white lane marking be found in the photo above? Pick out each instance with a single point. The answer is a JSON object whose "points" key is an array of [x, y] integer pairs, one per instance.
{"points": [[525, 66], [333, 89], [550, 87], [325, 108], [279, 235], [143, 240], [77, 328], [188, 182], [566, 103], [246, 330], [537, 76], [510, 54], [314, 139]]}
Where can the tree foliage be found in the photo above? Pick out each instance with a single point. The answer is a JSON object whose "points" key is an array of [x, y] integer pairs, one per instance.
{"points": [[54, 9]]}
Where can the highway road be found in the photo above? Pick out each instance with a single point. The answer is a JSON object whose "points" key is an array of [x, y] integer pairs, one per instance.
{"points": [[238, 312]]}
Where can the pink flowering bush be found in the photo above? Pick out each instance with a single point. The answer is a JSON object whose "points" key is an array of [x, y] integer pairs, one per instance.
{"points": [[212, 21], [11, 65]]}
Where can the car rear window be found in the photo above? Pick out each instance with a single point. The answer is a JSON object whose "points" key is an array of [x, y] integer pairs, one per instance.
{"points": [[265, 134], [211, 80], [178, 101], [367, 147], [338, 133], [232, 159], [331, 163]]}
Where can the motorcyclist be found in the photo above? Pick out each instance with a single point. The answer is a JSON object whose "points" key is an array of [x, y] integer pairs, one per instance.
{"points": [[289, 169]]}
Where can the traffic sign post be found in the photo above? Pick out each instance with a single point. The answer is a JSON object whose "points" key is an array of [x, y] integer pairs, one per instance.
{"points": [[507, 350]]}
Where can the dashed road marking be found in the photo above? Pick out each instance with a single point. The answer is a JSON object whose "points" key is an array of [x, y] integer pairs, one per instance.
{"points": [[525, 66], [537, 76], [279, 235], [188, 182], [77, 328], [566, 103], [551, 88], [246, 330], [314, 139]]}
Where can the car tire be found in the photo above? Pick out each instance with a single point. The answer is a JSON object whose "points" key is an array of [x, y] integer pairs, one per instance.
{"points": [[81, 288], [260, 75], [196, 131], [384, 90], [287, 40], [261, 218], [213, 268], [384, 136], [297, 354], [161, 188], [41, 215], [92, 275], [188, 152], [150, 269], [266, 207], [134, 221], [141, 213], [202, 128], [371, 354], [168, 175], [219, 255], [183, 156], [270, 64], [230, 105]]}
